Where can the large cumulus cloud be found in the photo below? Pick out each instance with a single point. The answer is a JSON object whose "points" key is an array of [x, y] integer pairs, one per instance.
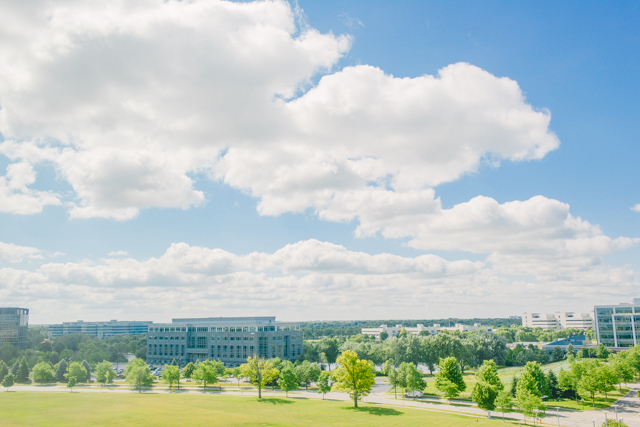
{"points": [[305, 280]]}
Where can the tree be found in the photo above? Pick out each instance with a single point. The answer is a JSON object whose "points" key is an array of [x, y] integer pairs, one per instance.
{"points": [[260, 372], [609, 379], [188, 370], [487, 387], [23, 371], [571, 351], [503, 402], [138, 374], [531, 380], [15, 367], [43, 372], [323, 383], [237, 374], [529, 403], [331, 348], [602, 352], [449, 379], [104, 372], [205, 374], [7, 381], [414, 379], [4, 370], [552, 385], [88, 368], [287, 380], [620, 363], [557, 354], [591, 382], [71, 382], [171, 375], [403, 333], [353, 376], [61, 370], [75, 371], [384, 335], [514, 386], [307, 372]]}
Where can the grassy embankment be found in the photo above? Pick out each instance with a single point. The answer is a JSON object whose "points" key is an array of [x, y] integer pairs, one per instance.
{"points": [[132, 410]]}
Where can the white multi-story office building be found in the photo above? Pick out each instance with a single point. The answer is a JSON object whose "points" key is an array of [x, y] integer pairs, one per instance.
{"points": [[100, 329], [393, 331], [228, 339], [618, 326], [558, 321]]}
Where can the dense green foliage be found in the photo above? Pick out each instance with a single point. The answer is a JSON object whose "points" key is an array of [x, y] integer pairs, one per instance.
{"points": [[346, 328]]}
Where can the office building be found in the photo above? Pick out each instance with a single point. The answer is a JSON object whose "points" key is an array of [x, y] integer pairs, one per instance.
{"points": [[558, 321], [100, 329], [617, 326], [228, 339], [393, 331], [14, 323]]}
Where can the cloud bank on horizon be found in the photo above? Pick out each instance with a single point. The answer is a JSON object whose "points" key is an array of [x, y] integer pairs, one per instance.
{"points": [[129, 102]]}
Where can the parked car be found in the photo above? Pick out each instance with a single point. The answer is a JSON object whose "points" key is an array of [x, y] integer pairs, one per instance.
{"points": [[413, 394]]}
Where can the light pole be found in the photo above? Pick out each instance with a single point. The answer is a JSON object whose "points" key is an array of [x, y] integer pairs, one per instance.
{"points": [[558, 415], [606, 419], [535, 416], [615, 407]]}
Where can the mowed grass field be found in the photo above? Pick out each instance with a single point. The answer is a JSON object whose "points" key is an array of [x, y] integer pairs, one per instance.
{"points": [[131, 410]]}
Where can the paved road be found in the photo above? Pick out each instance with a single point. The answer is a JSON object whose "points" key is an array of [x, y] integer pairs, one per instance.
{"points": [[629, 405]]}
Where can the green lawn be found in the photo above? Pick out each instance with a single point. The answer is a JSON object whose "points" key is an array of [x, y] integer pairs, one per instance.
{"points": [[120, 409]]}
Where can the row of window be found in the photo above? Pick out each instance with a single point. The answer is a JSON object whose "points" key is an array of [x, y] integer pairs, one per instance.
{"points": [[224, 328]]}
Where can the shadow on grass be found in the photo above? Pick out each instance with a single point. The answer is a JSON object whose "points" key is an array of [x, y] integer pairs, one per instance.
{"points": [[275, 401], [375, 410]]}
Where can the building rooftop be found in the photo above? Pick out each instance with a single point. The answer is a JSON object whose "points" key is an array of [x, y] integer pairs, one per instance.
{"points": [[221, 320]]}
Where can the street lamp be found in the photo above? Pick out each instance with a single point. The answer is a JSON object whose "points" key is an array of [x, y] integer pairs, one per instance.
{"points": [[558, 415], [615, 407], [606, 419]]}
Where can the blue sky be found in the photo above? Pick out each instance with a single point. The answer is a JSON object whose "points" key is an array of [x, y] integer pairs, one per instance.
{"points": [[113, 148]]}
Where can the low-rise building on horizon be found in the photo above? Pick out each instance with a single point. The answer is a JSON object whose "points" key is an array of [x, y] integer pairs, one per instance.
{"points": [[100, 329], [559, 321], [228, 339], [393, 331]]}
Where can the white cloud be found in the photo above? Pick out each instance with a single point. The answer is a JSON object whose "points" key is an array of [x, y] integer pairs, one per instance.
{"points": [[306, 280], [636, 208], [140, 97], [15, 195], [14, 253], [118, 253]]}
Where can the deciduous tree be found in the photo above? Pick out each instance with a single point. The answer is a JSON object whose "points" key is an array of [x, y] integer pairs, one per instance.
{"points": [[43, 372], [287, 380], [7, 381], [487, 387], [260, 372], [323, 383], [449, 380], [171, 375], [104, 372], [353, 376], [138, 374]]}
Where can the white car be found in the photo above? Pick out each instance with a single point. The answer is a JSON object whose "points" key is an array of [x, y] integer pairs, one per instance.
{"points": [[413, 394]]}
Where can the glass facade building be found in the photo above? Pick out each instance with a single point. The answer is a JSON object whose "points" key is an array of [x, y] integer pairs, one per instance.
{"points": [[618, 325], [100, 329], [228, 339], [14, 323]]}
